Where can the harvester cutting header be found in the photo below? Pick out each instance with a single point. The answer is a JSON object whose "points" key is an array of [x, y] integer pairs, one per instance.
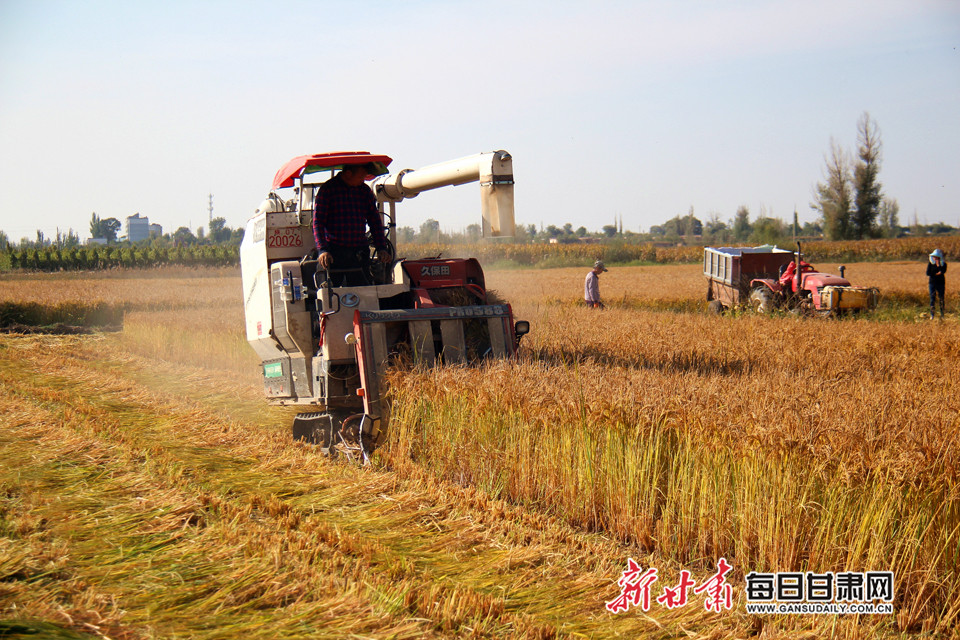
{"points": [[326, 325]]}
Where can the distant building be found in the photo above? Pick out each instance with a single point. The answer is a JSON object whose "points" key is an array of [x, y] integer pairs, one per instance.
{"points": [[137, 228], [96, 241], [156, 230]]}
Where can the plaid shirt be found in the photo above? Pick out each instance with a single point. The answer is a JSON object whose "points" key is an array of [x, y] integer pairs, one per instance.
{"points": [[341, 214]]}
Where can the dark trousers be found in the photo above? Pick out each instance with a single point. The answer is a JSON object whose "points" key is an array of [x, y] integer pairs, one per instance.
{"points": [[937, 288], [350, 266]]}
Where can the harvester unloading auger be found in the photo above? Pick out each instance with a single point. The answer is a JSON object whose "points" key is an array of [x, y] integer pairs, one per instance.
{"points": [[329, 346]]}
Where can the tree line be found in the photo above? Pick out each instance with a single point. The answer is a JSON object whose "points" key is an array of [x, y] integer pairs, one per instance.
{"points": [[218, 247], [104, 232], [108, 229], [850, 199], [850, 203], [80, 258]]}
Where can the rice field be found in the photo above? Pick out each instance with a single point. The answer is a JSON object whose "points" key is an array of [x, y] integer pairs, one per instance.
{"points": [[148, 491]]}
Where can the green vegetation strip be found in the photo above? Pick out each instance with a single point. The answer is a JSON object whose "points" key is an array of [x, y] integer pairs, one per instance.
{"points": [[615, 251]]}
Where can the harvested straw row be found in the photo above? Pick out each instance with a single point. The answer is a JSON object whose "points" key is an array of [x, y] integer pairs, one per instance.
{"points": [[200, 525]]}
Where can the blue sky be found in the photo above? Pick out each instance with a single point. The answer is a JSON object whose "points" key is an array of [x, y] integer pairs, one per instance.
{"points": [[634, 109]]}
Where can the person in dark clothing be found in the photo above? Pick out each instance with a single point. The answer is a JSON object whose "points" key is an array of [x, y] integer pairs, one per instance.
{"points": [[343, 209], [936, 272]]}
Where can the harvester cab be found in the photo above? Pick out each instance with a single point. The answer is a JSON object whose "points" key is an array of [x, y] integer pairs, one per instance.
{"points": [[327, 347]]}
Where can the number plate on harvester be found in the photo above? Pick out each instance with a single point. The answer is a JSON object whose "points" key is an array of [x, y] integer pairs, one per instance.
{"points": [[282, 237]]}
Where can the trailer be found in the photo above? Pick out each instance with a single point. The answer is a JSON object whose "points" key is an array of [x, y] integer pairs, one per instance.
{"points": [[767, 279], [731, 270]]}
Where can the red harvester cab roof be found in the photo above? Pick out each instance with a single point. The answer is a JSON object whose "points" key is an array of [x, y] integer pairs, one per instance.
{"points": [[294, 168]]}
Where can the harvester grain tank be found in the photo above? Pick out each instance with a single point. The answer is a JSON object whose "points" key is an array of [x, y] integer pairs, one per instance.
{"points": [[327, 347]]}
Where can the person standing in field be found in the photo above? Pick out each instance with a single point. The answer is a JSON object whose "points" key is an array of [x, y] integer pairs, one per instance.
{"points": [[936, 272], [591, 287]]}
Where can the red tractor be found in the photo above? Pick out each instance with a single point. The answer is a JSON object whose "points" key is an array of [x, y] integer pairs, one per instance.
{"points": [[805, 289]]}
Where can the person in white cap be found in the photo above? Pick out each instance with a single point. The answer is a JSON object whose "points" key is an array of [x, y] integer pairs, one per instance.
{"points": [[591, 287], [936, 272]]}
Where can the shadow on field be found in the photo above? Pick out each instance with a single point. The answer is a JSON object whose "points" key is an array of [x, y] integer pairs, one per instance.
{"points": [[62, 319], [706, 364], [38, 629], [58, 329]]}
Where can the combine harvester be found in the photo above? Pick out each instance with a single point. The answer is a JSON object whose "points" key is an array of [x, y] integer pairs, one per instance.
{"points": [[328, 347], [767, 278]]}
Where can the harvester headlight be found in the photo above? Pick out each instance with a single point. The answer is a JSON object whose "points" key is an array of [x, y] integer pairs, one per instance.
{"points": [[350, 338], [521, 328]]}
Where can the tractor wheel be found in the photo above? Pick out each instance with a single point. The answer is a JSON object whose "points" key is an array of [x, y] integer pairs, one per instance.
{"points": [[761, 300], [805, 308], [716, 307]]}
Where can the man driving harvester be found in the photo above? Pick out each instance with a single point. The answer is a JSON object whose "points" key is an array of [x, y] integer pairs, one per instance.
{"points": [[343, 209]]}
